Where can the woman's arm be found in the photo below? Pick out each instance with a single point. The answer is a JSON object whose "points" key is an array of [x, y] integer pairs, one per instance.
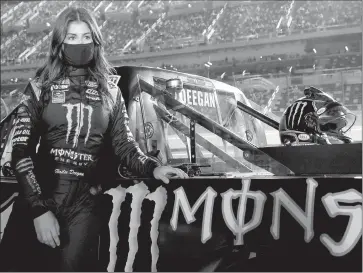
{"points": [[25, 139], [124, 144]]}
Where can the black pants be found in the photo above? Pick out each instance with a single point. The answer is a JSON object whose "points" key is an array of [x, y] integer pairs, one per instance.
{"points": [[81, 217]]}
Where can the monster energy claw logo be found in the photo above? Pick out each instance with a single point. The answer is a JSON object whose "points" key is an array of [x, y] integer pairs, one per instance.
{"points": [[79, 108], [336, 204]]}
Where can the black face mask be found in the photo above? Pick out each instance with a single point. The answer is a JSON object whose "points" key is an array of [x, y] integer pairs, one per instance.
{"points": [[78, 55]]}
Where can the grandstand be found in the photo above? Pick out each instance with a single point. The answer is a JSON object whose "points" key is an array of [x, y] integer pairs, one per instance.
{"points": [[291, 43]]}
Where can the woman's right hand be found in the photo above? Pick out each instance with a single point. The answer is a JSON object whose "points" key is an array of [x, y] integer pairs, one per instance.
{"points": [[47, 229]]}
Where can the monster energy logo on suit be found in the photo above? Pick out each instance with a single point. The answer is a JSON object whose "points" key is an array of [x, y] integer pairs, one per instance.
{"points": [[71, 157], [79, 120]]}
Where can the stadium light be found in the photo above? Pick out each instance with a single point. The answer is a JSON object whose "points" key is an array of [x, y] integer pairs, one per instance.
{"points": [[208, 65]]}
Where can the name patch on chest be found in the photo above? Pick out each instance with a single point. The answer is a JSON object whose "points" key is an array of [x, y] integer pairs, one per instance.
{"points": [[58, 96]]}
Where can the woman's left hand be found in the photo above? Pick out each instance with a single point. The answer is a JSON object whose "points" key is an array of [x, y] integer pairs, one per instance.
{"points": [[163, 173], [96, 190]]}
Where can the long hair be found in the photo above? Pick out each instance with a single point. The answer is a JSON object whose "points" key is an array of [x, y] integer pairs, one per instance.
{"points": [[55, 69]]}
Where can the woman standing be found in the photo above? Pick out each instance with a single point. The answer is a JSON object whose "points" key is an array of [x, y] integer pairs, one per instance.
{"points": [[74, 110]]}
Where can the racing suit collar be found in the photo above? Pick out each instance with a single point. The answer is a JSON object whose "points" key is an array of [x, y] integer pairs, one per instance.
{"points": [[74, 71], [77, 76]]}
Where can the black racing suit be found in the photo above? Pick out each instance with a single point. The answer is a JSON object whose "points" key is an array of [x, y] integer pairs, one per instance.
{"points": [[73, 124]]}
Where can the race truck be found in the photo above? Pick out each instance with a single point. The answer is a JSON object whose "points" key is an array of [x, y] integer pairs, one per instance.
{"points": [[290, 215]]}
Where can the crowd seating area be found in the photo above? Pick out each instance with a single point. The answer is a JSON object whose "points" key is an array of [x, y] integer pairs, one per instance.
{"points": [[349, 94], [42, 51], [232, 20], [27, 40], [162, 4], [182, 27], [244, 19], [353, 94], [91, 5], [271, 64], [10, 97], [6, 6], [24, 41], [116, 5], [153, 4], [126, 31], [12, 18], [275, 64], [5, 37], [250, 19], [20, 11], [313, 14], [344, 61], [48, 11]]}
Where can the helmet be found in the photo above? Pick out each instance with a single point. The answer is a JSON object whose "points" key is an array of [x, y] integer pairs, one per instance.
{"points": [[315, 118]]}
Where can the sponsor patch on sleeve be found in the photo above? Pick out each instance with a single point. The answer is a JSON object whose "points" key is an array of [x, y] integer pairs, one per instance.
{"points": [[114, 79], [303, 137]]}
